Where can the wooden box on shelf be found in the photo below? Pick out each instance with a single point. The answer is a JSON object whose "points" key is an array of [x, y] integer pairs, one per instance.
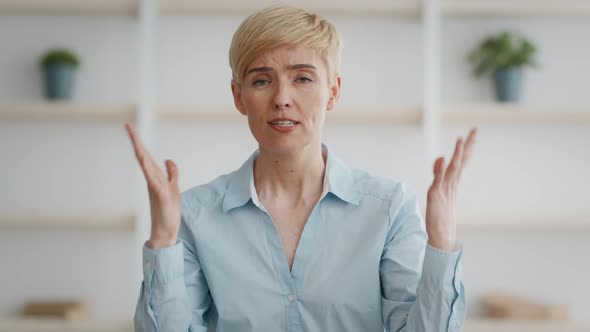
{"points": [[66, 310], [506, 306]]}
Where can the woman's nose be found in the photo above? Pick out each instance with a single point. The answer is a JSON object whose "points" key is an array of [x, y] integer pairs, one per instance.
{"points": [[282, 98]]}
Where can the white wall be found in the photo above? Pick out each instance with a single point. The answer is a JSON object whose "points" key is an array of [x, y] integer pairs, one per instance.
{"points": [[531, 171]]}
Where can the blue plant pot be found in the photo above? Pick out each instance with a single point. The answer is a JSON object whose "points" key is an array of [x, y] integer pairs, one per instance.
{"points": [[508, 83], [59, 80]]}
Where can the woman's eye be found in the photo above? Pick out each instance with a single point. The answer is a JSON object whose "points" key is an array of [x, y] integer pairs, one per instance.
{"points": [[303, 79], [260, 82]]}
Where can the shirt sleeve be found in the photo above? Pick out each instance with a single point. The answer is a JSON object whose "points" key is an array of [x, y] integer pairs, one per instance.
{"points": [[421, 287], [174, 295]]}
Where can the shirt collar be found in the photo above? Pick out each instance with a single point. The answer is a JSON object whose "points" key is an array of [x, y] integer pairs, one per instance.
{"points": [[338, 181]]}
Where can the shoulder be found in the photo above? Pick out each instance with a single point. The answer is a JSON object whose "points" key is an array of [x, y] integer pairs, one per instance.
{"points": [[208, 194], [383, 188], [392, 197]]}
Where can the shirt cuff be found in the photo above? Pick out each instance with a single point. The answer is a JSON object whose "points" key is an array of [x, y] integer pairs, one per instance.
{"points": [[442, 268], [163, 265]]}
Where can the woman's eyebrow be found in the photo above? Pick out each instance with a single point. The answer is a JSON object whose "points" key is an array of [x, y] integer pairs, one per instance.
{"points": [[265, 69], [258, 69], [302, 65]]}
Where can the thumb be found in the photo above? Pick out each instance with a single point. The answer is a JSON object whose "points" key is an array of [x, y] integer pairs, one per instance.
{"points": [[172, 171]]}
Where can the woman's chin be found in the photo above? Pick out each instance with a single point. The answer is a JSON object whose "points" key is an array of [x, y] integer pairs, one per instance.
{"points": [[285, 147]]}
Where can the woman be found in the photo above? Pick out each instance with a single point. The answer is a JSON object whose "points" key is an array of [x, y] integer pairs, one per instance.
{"points": [[295, 240]]}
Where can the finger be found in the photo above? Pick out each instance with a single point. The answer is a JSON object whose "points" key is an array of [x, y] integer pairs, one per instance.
{"points": [[453, 170], [148, 166], [469, 143], [172, 172], [137, 145], [468, 149], [439, 171]]}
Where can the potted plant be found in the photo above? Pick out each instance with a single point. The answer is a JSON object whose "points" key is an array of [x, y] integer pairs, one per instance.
{"points": [[59, 66], [504, 55]]}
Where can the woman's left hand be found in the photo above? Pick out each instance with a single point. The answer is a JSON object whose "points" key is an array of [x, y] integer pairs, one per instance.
{"points": [[440, 207]]}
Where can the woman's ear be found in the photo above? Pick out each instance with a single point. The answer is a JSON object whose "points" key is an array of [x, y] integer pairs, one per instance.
{"points": [[236, 90], [334, 93]]}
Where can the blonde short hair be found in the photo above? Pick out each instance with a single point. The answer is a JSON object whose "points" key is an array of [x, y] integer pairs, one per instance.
{"points": [[281, 25]]}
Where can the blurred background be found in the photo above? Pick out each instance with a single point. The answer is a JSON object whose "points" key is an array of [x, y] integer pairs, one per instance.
{"points": [[73, 204]]}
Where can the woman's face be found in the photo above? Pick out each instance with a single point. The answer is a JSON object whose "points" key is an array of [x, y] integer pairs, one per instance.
{"points": [[285, 94]]}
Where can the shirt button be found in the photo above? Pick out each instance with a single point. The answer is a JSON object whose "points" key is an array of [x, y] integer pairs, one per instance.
{"points": [[291, 298]]}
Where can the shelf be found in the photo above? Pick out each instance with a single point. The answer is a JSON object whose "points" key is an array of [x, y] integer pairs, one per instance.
{"points": [[68, 7], [471, 325], [66, 111], [197, 114], [62, 111], [402, 116], [410, 8], [514, 114], [399, 116], [516, 7], [495, 325], [88, 221], [56, 325], [474, 114], [557, 224]]}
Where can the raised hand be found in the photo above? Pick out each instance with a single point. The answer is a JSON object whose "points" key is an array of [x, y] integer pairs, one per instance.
{"points": [[440, 207], [164, 194]]}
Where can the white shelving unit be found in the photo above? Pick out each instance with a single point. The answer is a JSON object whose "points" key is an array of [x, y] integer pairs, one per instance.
{"points": [[431, 115]]}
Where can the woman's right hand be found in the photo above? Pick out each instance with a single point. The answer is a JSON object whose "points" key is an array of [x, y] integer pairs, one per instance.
{"points": [[164, 194]]}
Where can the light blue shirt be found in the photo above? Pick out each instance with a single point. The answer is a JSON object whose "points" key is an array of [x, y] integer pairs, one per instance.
{"points": [[362, 263]]}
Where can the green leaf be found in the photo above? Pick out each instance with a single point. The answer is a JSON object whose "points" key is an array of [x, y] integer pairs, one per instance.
{"points": [[60, 55], [505, 49]]}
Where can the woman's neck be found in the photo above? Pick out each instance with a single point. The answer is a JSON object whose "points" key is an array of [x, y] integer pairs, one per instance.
{"points": [[293, 178]]}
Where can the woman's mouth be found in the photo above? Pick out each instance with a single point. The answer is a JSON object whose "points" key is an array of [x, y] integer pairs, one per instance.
{"points": [[284, 126], [283, 123]]}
